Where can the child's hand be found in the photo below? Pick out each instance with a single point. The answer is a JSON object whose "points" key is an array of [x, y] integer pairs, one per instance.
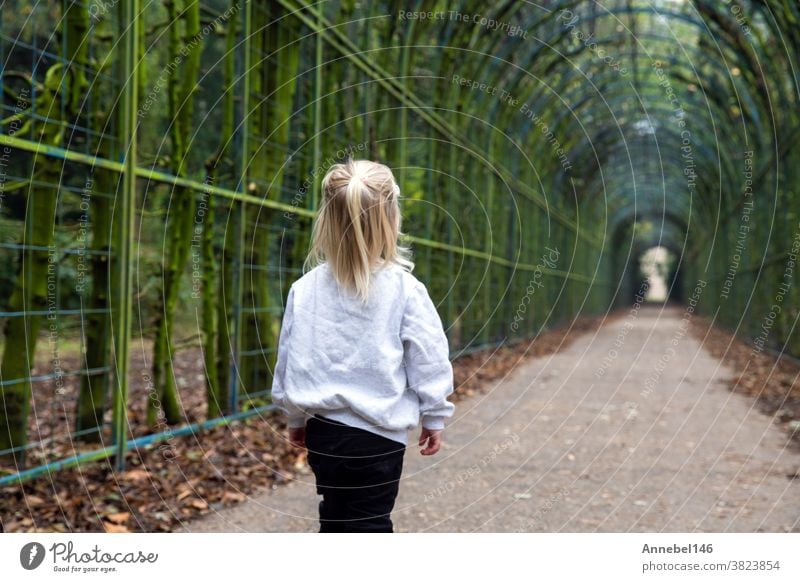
{"points": [[297, 437], [434, 440]]}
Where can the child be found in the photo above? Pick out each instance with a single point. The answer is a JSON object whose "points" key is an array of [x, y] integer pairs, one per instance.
{"points": [[362, 353]]}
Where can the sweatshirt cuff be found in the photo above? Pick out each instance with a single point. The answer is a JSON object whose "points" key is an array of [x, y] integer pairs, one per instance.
{"points": [[296, 421], [433, 422]]}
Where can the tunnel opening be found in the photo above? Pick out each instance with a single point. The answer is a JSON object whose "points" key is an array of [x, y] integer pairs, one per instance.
{"points": [[658, 269], [648, 260]]}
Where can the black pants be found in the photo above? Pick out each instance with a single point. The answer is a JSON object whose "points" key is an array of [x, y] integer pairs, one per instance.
{"points": [[358, 476]]}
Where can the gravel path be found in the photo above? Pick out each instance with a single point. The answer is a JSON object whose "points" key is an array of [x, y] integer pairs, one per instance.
{"points": [[589, 439]]}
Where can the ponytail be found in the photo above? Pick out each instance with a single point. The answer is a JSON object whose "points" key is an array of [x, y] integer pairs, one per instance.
{"points": [[358, 249], [358, 224]]}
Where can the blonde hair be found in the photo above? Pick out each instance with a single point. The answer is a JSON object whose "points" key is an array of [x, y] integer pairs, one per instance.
{"points": [[358, 225]]}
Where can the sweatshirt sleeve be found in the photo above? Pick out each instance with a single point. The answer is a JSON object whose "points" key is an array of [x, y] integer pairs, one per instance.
{"points": [[296, 417], [427, 358]]}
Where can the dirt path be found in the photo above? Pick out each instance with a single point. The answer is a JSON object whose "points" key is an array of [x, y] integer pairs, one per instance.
{"points": [[588, 439]]}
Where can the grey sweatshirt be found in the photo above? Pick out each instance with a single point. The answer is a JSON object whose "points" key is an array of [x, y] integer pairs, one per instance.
{"points": [[377, 366]]}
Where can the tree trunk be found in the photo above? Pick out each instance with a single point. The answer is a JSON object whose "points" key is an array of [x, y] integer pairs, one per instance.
{"points": [[29, 295], [180, 222], [37, 265], [94, 386]]}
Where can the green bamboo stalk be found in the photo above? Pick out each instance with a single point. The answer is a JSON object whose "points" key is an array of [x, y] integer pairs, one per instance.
{"points": [[129, 26], [216, 379], [491, 232], [256, 249]]}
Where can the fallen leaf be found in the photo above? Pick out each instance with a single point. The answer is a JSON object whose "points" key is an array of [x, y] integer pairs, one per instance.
{"points": [[233, 496], [115, 528], [135, 475], [199, 504], [120, 517]]}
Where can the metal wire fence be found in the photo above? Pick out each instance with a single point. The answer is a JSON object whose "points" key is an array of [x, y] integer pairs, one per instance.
{"points": [[162, 169]]}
